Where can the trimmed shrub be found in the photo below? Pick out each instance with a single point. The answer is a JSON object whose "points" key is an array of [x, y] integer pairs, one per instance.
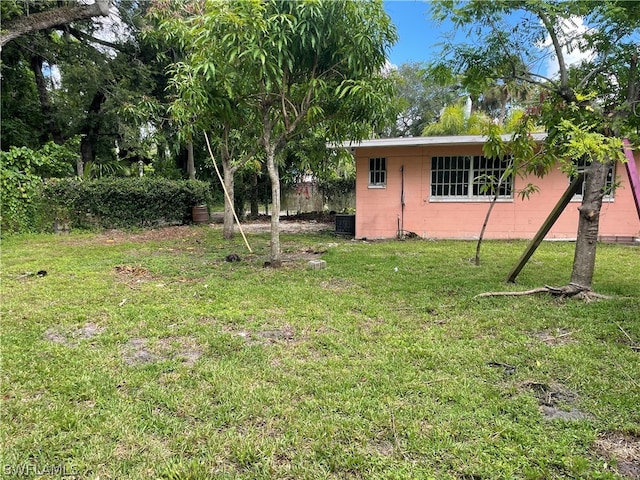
{"points": [[124, 202]]}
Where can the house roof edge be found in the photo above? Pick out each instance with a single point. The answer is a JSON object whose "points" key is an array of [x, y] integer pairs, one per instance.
{"points": [[429, 141]]}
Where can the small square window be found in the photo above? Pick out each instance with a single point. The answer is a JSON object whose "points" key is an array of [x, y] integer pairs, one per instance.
{"points": [[377, 172]]}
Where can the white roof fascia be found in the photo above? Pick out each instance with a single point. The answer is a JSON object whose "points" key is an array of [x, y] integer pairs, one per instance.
{"points": [[430, 141]]}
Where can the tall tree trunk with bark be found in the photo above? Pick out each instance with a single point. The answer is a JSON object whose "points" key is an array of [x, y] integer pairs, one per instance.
{"points": [[90, 131], [589, 222], [45, 105], [274, 176], [191, 165], [253, 196]]}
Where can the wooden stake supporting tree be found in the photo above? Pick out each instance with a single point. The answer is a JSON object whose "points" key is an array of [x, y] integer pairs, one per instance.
{"points": [[574, 187], [632, 173]]}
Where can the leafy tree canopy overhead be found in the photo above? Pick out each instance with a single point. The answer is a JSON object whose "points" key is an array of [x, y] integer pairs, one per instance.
{"points": [[515, 41], [418, 99]]}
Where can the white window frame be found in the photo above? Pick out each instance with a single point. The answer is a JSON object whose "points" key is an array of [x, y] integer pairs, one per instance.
{"points": [[460, 176], [611, 176], [377, 172]]}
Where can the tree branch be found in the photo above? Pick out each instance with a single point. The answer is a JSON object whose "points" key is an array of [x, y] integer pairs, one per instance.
{"points": [[568, 291], [632, 90], [588, 76], [51, 18], [80, 35], [564, 76]]}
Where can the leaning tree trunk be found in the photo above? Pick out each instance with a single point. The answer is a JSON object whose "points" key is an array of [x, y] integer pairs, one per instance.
{"points": [[589, 222], [496, 194], [274, 176]]}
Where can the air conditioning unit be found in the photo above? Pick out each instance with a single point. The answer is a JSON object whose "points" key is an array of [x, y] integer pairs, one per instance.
{"points": [[345, 224]]}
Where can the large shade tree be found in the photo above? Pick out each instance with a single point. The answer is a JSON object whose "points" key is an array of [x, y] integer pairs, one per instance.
{"points": [[419, 99], [586, 108], [287, 67], [84, 83]]}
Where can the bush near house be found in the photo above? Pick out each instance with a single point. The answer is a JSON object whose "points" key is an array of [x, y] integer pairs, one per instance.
{"points": [[124, 202]]}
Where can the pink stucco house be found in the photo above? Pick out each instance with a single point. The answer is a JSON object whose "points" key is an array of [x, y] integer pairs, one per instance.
{"points": [[424, 185]]}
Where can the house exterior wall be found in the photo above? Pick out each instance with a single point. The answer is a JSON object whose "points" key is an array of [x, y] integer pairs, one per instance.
{"points": [[379, 212]]}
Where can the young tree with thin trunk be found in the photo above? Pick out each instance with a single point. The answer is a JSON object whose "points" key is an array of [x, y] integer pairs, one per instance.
{"points": [[290, 65], [587, 109]]}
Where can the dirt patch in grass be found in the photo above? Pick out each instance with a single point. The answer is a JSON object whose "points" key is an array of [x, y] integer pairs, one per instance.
{"points": [[303, 254], [116, 236], [131, 447], [556, 337], [622, 448], [131, 271], [132, 274], [182, 232], [555, 401], [70, 338], [139, 351], [288, 225]]}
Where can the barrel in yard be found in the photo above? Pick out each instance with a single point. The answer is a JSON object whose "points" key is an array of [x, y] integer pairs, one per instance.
{"points": [[200, 214]]}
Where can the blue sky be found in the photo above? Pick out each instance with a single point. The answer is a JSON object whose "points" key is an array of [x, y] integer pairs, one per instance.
{"points": [[420, 38], [419, 35]]}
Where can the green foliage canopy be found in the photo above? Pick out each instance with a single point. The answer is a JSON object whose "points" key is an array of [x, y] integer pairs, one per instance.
{"points": [[289, 65], [598, 96]]}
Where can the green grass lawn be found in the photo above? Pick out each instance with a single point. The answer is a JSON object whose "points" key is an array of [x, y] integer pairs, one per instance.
{"points": [[145, 356]]}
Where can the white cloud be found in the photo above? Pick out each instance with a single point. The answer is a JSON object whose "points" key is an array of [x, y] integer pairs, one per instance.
{"points": [[570, 35], [389, 67]]}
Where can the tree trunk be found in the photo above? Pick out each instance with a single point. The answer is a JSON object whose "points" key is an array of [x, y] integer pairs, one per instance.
{"points": [[80, 166], [589, 222], [229, 203], [51, 18], [43, 96], [91, 129], [253, 196], [191, 165], [274, 176], [486, 221]]}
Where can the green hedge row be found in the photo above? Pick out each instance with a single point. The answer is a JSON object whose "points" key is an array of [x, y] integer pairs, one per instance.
{"points": [[123, 202]]}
